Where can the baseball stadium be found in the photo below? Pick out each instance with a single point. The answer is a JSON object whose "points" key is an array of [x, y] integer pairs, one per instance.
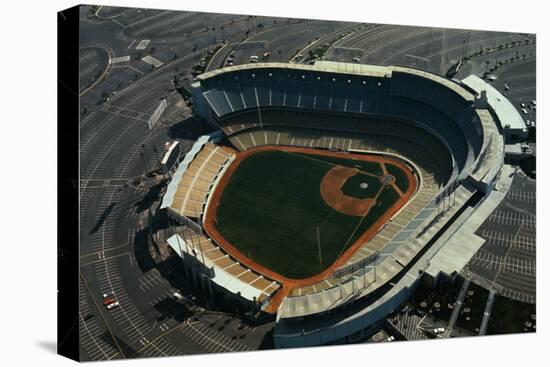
{"points": [[328, 189]]}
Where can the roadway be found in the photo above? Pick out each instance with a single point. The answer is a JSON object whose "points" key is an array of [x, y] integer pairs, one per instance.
{"points": [[431, 49]]}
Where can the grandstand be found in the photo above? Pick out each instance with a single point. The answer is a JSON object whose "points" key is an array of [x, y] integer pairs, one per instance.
{"points": [[195, 178], [228, 273], [444, 131], [186, 198]]}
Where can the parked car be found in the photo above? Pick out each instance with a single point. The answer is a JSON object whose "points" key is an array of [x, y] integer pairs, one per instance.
{"points": [[112, 305], [109, 300]]}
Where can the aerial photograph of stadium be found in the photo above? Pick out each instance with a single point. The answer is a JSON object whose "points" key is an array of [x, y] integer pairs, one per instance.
{"points": [[252, 182]]}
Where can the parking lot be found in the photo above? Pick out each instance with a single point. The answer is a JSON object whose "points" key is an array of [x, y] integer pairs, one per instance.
{"points": [[507, 260], [117, 147]]}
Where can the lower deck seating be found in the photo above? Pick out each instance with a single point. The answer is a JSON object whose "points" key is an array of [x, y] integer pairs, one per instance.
{"points": [[302, 125], [195, 184], [217, 258]]}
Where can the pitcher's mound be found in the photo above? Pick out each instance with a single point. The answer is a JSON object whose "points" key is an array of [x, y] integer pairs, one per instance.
{"points": [[331, 192]]}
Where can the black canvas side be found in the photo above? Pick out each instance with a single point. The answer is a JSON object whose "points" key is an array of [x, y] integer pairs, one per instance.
{"points": [[67, 183]]}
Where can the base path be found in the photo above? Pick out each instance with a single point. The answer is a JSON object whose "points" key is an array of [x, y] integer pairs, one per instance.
{"points": [[287, 283]]}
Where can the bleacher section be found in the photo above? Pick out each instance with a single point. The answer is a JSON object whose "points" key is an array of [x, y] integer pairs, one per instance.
{"points": [[228, 273], [195, 183]]}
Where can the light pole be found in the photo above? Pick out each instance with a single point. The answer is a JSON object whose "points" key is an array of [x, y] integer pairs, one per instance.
{"points": [[144, 158], [156, 154], [144, 164]]}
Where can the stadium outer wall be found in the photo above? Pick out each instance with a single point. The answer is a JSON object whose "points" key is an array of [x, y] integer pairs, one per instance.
{"points": [[480, 170]]}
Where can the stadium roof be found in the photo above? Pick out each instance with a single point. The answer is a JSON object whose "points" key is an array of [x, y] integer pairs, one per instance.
{"points": [[457, 88], [322, 66], [504, 109], [346, 68]]}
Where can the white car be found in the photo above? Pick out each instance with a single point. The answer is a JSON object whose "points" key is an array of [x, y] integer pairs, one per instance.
{"points": [[492, 78], [177, 295], [390, 339], [112, 305], [506, 87], [524, 111], [355, 59], [522, 105], [438, 330], [534, 103]]}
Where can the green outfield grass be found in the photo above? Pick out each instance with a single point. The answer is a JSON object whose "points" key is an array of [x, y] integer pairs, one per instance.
{"points": [[272, 206]]}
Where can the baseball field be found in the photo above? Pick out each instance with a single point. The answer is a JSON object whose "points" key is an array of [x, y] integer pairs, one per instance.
{"points": [[294, 212]]}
